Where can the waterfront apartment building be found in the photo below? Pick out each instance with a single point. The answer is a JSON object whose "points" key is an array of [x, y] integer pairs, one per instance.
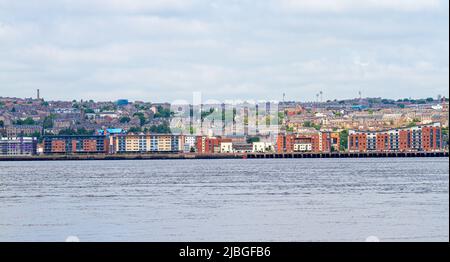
{"points": [[78, 144], [143, 143], [189, 143], [307, 142], [417, 138], [262, 147], [18, 146], [207, 145]]}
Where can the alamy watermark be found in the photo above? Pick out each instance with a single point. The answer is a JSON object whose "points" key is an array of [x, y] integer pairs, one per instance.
{"points": [[226, 118]]}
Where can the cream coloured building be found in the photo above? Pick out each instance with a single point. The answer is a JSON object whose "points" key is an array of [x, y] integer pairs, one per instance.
{"points": [[226, 147]]}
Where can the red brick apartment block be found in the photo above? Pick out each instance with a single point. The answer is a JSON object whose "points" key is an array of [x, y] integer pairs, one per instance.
{"points": [[417, 138]]}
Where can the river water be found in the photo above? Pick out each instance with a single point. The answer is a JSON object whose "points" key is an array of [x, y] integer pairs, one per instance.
{"points": [[391, 199]]}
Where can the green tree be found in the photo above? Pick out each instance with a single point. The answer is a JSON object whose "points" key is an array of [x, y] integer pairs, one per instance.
{"points": [[421, 101], [124, 119], [142, 119], [445, 131], [281, 116], [38, 135], [160, 129], [48, 121], [134, 130], [2, 124], [80, 131], [207, 113], [430, 100], [163, 113], [343, 135], [26, 121], [317, 126], [445, 136], [411, 124]]}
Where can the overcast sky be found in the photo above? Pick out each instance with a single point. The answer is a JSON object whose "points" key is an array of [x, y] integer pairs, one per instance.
{"points": [[155, 50]]}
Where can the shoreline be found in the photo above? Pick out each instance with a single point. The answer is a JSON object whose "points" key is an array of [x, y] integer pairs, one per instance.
{"points": [[187, 156]]}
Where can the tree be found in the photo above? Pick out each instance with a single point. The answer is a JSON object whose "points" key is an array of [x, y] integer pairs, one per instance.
{"points": [[307, 124], [445, 131], [79, 131], [281, 116], [207, 113], [421, 101], [430, 100], [411, 124], [134, 130], [160, 129], [27, 121], [141, 117], [343, 135], [445, 136], [48, 121], [38, 135], [310, 124], [163, 113], [387, 101], [2, 124], [124, 119]]}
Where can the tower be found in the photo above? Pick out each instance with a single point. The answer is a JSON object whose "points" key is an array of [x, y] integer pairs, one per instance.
{"points": [[38, 95]]}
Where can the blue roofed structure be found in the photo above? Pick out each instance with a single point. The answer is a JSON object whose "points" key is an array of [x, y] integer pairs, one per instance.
{"points": [[110, 131]]}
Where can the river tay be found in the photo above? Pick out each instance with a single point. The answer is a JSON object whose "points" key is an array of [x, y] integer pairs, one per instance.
{"points": [[388, 199]]}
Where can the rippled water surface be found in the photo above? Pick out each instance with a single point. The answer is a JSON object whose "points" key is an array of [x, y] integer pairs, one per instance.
{"points": [[226, 200]]}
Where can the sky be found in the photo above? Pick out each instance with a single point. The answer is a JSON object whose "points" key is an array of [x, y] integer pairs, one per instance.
{"points": [[164, 50]]}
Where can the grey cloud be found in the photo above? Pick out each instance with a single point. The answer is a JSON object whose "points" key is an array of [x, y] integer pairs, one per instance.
{"points": [[165, 50]]}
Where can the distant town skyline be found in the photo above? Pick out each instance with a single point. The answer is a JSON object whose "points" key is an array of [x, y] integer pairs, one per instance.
{"points": [[38, 94], [161, 51]]}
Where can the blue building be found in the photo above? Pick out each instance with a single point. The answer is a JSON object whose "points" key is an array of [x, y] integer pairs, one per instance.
{"points": [[18, 146], [122, 102]]}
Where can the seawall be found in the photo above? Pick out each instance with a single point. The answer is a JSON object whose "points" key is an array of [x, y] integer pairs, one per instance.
{"points": [[221, 156]]}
